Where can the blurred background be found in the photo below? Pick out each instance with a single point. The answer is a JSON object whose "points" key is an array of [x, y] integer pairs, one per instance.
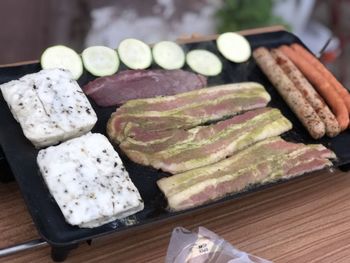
{"points": [[28, 27]]}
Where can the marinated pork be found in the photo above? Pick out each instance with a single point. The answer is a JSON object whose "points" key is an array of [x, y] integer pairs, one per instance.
{"points": [[265, 161], [135, 84], [185, 110], [180, 150]]}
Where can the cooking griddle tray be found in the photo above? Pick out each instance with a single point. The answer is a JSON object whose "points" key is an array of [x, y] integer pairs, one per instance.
{"points": [[21, 154]]}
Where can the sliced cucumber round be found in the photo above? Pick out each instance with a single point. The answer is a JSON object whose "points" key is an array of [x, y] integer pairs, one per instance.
{"points": [[100, 61], [62, 57], [204, 62], [135, 54], [168, 55], [234, 47]]}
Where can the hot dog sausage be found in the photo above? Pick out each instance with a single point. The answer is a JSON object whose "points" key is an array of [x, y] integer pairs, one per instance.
{"points": [[290, 93], [309, 93], [321, 84], [325, 72]]}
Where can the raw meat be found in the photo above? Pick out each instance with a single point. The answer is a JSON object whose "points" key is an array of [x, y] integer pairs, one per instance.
{"points": [[180, 150], [135, 84], [265, 161], [185, 110]]}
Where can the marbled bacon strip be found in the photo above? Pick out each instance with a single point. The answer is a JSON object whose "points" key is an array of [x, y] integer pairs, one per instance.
{"points": [[262, 162], [88, 181], [181, 150], [50, 106], [185, 110]]}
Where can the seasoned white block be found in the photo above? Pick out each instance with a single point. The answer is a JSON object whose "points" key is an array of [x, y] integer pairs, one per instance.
{"points": [[53, 101], [88, 181], [28, 110]]}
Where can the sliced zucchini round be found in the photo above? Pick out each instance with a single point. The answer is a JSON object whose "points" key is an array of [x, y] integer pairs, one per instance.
{"points": [[168, 55], [62, 57], [135, 54], [204, 62], [100, 61], [234, 47]]}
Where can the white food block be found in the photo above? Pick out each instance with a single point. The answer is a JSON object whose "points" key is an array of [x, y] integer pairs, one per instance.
{"points": [[88, 181], [53, 102], [64, 101], [30, 113]]}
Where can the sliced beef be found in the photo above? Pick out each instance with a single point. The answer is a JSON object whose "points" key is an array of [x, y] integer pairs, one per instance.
{"points": [[134, 84]]}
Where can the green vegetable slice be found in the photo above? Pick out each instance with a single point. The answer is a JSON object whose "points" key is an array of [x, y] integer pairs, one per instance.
{"points": [[135, 54], [100, 60], [62, 57], [168, 55], [234, 47], [204, 62]]}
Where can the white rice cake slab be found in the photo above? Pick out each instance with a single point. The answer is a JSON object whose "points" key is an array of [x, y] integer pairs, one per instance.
{"points": [[52, 100], [88, 181]]}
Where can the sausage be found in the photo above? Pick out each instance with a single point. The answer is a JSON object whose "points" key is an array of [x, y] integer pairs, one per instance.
{"points": [[309, 93], [343, 92], [321, 84], [290, 93]]}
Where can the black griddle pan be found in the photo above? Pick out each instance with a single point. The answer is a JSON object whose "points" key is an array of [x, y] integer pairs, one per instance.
{"points": [[21, 154]]}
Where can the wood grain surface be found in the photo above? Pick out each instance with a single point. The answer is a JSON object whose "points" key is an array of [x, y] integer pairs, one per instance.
{"points": [[304, 220]]}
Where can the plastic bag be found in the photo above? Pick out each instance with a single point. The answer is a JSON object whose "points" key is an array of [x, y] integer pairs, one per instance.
{"points": [[204, 247]]}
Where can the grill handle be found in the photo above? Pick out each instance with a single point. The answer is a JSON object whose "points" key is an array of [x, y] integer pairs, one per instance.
{"points": [[22, 247]]}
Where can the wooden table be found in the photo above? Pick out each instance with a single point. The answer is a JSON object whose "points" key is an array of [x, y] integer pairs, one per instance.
{"points": [[304, 220]]}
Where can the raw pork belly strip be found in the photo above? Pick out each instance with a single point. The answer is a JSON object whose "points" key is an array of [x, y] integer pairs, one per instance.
{"points": [[265, 161], [180, 150], [185, 110], [135, 84], [50, 106], [88, 181]]}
